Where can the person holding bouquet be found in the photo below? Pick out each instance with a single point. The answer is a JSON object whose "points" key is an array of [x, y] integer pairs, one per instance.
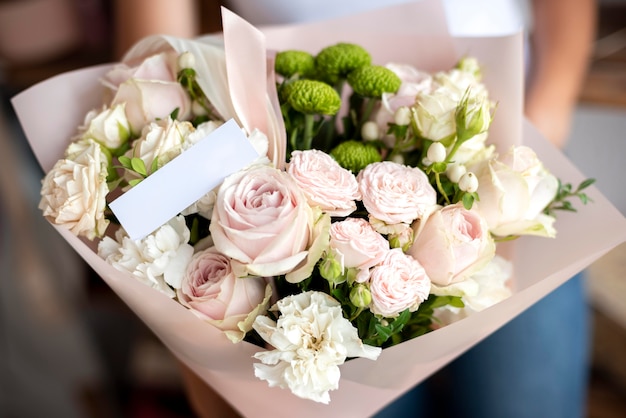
{"points": [[536, 365]]}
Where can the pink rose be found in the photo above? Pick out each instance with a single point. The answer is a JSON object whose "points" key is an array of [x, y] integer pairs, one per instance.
{"points": [[452, 244], [149, 90], [325, 183], [149, 100], [398, 283], [358, 244], [262, 219], [160, 67], [395, 193], [211, 290]]}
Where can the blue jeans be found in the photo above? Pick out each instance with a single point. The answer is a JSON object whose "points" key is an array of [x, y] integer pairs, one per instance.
{"points": [[534, 366]]}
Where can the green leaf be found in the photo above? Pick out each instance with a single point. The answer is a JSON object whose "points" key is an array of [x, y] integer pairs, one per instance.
{"points": [[125, 162], [174, 114], [468, 200], [138, 166], [134, 182]]}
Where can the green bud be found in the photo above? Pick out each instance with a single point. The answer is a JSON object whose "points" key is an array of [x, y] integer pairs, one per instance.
{"points": [[292, 62], [360, 296], [355, 155], [330, 269], [470, 65], [472, 116], [337, 61], [374, 80], [313, 97]]}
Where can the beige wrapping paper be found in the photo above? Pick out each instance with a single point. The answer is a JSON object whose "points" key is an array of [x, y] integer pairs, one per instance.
{"points": [[51, 111]]}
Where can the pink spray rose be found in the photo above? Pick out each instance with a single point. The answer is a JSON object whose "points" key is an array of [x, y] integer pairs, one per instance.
{"points": [[262, 220], [358, 245], [399, 282], [395, 193], [325, 183], [211, 290], [452, 244]]}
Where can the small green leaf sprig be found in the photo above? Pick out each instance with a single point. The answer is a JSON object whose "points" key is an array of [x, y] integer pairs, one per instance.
{"points": [[566, 192]]}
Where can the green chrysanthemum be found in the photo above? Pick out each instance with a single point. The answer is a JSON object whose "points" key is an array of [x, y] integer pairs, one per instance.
{"points": [[374, 80], [355, 155], [292, 62], [313, 97], [337, 61]]}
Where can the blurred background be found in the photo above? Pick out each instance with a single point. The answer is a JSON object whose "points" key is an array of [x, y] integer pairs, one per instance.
{"points": [[70, 348]]}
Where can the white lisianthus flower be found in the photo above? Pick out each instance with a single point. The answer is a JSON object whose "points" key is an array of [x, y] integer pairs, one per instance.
{"points": [[311, 339], [108, 127], [158, 260], [483, 289], [74, 191]]}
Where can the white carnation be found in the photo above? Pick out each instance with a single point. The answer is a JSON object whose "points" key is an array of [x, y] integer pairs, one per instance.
{"points": [[311, 339], [158, 260]]}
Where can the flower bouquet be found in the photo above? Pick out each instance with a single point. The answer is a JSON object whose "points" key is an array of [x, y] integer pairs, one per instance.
{"points": [[302, 216]]}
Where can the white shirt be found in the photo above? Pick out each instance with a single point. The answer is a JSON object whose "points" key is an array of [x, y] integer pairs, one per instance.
{"points": [[465, 17]]}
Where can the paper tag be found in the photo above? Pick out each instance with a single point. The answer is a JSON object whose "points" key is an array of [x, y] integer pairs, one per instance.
{"points": [[184, 180]]}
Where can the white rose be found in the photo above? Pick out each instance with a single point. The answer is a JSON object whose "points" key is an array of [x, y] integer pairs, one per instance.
{"points": [[109, 127], [158, 260], [162, 140], [434, 114], [311, 339], [513, 193], [74, 190]]}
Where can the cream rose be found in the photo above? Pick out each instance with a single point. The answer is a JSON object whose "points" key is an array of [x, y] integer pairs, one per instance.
{"points": [[262, 220], [452, 244], [324, 182], [398, 283], [74, 191], [358, 245], [162, 140], [395, 193], [108, 127], [211, 290], [514, 191]]}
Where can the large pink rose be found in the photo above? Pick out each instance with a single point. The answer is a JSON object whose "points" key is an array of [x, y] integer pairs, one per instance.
{"points": [[262, 219], [395, 193], [325, 183], [211, 290], [452, 244], [398, 283], [358, 244]]}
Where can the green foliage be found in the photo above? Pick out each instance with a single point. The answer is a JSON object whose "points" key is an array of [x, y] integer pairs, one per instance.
{"points": [[566, 192]]}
